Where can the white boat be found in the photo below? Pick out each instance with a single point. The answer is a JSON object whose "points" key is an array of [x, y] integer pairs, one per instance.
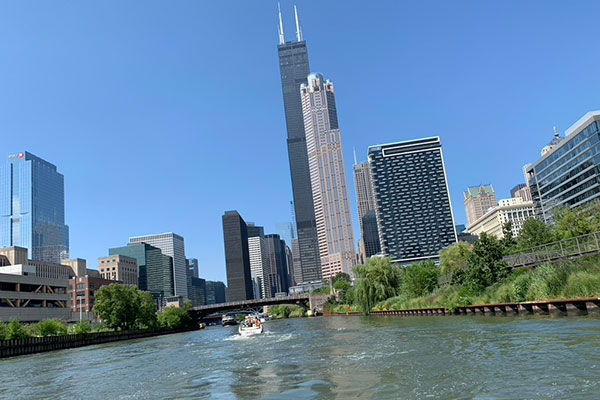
{"points": [[251, 326]]}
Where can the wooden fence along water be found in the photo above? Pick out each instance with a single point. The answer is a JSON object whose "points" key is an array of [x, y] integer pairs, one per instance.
{"points": [[18, 347]]}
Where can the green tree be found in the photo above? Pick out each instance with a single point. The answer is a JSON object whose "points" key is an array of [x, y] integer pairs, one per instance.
{"points": [[174, 318], [420, 279], [485, 264], [569, 222], [82, 328], [377, 280], [3, 330], [188, 305], [341, 284], [51, 327], [534, 233], [16, 331], [125, 307], [508, 239], [454, 261]]}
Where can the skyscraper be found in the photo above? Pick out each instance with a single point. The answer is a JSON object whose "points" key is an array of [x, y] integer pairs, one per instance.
{"points": [[173, 246], [366, 204], [237, 257], [478, 200], [328, 177], [414, 212], [256, 250], [294, 68], [193, 266], [276, 278], [32, 208]]}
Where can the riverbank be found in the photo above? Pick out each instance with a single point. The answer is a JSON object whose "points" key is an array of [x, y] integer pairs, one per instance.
{"points": [[31, 345]]}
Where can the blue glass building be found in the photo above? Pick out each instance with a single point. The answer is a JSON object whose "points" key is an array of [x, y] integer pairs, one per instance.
{"points": [[568, 175], [32, 208]]}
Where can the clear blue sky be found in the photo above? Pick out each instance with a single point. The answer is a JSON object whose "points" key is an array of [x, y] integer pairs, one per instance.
{"points": [[162, 115]]}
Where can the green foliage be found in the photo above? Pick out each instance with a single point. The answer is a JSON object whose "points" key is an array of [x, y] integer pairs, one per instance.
{"points": [[174, 318], [582, 284], [3, 330], [286, 311], [188, 305], [51, 327], [485, 264], [420, 279], [125, 307], [298, 313], [572, 222], [342, 284], [454, 261], [377, 280], [16, 331], [508, 239], [534, 233], [82, 328]]}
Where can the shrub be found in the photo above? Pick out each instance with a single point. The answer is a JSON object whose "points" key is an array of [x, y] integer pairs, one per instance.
{"points": [[16, 331], [174, 318], [420, 279], [82, 328], [3, 330], [51, 327], [582, 284], [298, 312]]}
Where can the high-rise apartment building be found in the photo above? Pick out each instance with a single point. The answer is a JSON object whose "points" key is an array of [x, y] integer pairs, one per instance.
{"points": [[366, 205], [414, 211], [119, 268], [478, 200], [32, 208], [172, 245], [568, 174], [329, 182], [237, 257], [294, 68], [155, 269]]}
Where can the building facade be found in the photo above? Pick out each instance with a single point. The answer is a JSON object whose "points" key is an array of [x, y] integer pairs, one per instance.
{"points": [[198, 291], [82, 292], [276, 278], [514, 210], [369, 242], [294, 69], [258, 265], [215, 292], [155, 269], [193, 267], [568, 174], [237, 257], [171, 245], [478, 200], [32, 208], [414, 211], [119, 268], [329, 182]]}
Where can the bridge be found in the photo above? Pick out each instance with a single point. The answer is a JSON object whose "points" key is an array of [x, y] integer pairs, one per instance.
{"points": [[305, 300], [568, 249]]}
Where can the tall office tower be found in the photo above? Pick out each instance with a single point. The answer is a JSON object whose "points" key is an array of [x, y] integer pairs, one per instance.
{"points": [[294, 67], [173, 246], [478, 200], [215, 292], [198, 291], [237, 257], [328, 177], [414, 211], [568, 174], [155, 269], [119, 268], [297, 263], [32, 208], [276, 279], [258, 266], [289, 260], [366, 203], [516, 188], [193, 266]]}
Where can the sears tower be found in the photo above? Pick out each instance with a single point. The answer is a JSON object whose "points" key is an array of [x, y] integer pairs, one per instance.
{"points": [[294, 67]]}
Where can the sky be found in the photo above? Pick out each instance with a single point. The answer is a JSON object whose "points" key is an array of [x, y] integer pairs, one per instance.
{"points": [[163, 115]]}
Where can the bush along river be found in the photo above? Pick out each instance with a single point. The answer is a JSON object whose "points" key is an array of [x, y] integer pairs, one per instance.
{"points": [[330, 358]]}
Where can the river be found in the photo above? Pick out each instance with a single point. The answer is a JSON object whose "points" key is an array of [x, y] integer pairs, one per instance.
{"points": [[330, 358]]}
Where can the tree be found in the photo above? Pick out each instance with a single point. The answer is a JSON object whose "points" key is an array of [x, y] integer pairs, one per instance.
{"points": [[454, 261], [420, 279], [174, 318], [485, 264], [377, 280], [534, 233], [341, 284], [188, 305], [569, 222], [508, 239], [51, 327], [82, 327], [125, 307]]}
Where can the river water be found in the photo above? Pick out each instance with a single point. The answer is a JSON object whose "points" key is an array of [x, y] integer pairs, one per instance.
{"points": [[330, 358]]}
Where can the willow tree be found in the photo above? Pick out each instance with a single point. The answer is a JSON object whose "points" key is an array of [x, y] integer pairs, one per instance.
{"points": [[377, 280]]}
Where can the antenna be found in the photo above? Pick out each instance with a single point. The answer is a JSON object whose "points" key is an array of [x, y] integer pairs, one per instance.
{"points": [[298, 27], [556, 132], [355, 162], [281, 33]]}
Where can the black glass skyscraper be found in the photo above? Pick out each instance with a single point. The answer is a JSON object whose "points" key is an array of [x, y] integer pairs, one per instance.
{"points": [[237, 257], [294, 67]]}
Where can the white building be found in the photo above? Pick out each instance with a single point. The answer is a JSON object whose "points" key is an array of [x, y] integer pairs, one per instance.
{"points": [[328, 178], [514, 210]]}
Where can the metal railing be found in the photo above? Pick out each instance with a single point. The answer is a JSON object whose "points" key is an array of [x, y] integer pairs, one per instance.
{"points": [[569, 248]]}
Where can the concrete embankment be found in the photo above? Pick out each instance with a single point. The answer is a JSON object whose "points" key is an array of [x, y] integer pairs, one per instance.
{"points": [[564, 307], [19, 347]]}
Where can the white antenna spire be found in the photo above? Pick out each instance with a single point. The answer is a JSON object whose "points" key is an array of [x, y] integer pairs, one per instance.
{"points": [[355, 161], [298, 27], [281, 33], [556, 132]]}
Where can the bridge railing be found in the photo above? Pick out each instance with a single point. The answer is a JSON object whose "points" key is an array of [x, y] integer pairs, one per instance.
{"points": [[574, 247], [254, 302]]}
